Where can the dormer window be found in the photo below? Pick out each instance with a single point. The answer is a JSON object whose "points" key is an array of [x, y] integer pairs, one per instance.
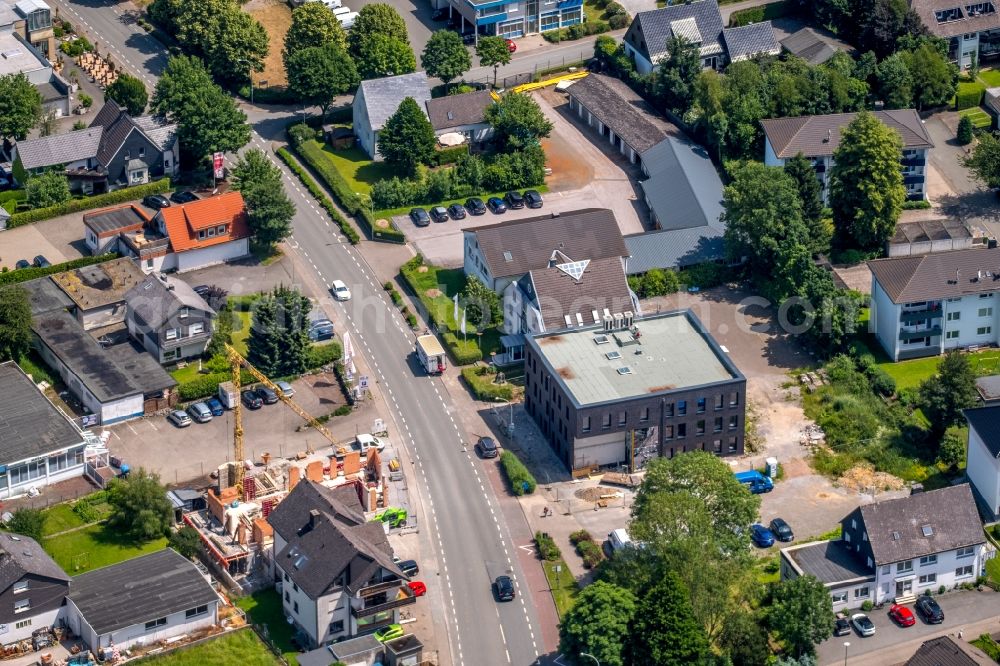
{"points": [[947, 15], [220, 230]]}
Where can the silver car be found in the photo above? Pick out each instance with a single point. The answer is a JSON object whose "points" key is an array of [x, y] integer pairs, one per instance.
{"points": [[863, 624], [286, 389], [200, 412], [179, 418]]}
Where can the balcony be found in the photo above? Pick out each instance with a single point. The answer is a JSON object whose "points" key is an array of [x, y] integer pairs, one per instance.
{"points": [[909, 316], [913, 179], [404, 597], [375, 588], [933, 331], [913, 161]]}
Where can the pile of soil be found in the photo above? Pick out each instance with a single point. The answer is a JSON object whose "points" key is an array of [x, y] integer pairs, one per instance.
{"points": [[863, 478], [594, 493]]}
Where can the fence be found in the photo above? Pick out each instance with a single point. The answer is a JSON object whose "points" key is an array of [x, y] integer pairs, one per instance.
{"points": [[541, 68]]}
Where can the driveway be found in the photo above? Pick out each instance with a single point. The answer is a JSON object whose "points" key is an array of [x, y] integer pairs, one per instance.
{"points": [[970, 613], [59, 239]]}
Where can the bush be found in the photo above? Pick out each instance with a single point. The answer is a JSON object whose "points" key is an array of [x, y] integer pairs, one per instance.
{"points": [[29, 522], [300, 133], [76, 47], [617, 22], [87, 512], [461, 354], [520, 479], [547, 548], [448, 155], [656, 282], [96, 201], [580, 535], [613, 9], [590, 552], [480, 381], [758, 14], [186, 541], [969, 95], [577, 31], [343, 410], [867, 605], [964, 130], [319, 355], [203, 386], [916, 204], [25, 274], [352, 236]]}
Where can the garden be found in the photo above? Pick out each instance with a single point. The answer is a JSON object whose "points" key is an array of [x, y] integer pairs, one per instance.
{"points": [[237, 648], [263, 608]]}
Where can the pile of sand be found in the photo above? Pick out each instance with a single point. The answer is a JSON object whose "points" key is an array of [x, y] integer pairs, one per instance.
{"points": [[863, 478]]}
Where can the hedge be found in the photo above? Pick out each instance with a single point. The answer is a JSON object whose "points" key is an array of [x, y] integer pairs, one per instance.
{"points": [[578, 31], [319, 355], [320, 196], [590, 552], [448, 155], [520, 479], [758, 14], [97, 201], [25, 274], [480, 381], [969, 95], [916, 204], [547, 548]]}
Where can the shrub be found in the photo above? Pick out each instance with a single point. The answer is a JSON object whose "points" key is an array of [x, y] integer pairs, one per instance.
{"points": [[411, 319], [758, 14], [520, 479], [882, 382], [87, 512], [343, 410], [969, 95], [448, 155], [964, 130], [202, 387], [29, 522], [25, 274], [301, 133], [480, 381], [186, 541], [547, 548], [916, 204], [461, 354], [590, 552], [352, 236], [867, 605], [96, 201], [995, 531], [617, 22], [397, 298], [319, 355], [580, 535]]}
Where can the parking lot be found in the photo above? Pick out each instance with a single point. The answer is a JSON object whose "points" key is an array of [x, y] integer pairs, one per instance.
{"points": [[59, 239]]}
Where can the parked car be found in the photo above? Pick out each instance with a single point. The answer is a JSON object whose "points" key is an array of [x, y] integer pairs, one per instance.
{"points": [[929, 609], [533, 199], [469, 38], [418, 588], [618, 539], [761, 536], [388, 633], [841, 627], [511, 46], [863, 624], [475, 206], [200, 412], [41, 262], [320, 329], [503, 587], [156, 201], [215, 406], [515, 200], [409, 567], [5, 183], [267, 395], [183, 197], [902, 615], [22, 263], [457, 211], [340, 291], [202, 290], [251, 399], [286, 388], [179, 418], [439, 214], [420, 217], [782, 530], [496, 205], [486, 447]]}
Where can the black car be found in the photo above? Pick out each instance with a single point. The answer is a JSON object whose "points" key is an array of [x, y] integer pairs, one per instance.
{"points": [[533, 199], [841, 627], [156, 201], [419, 217], [469, 38], [929, 610], [487, 447], [515, 200], [439, 214], [457, 211], [41, 262], [202, 290], [496, 205], [782, 530], [503, 587], [183, 197], [251, 399], [409, 567], [267, 395], [320, 329], [475, 206], [22, 263]]}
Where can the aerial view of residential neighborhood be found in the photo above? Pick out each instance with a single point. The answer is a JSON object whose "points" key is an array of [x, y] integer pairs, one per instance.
{"points": [[500, 332]]}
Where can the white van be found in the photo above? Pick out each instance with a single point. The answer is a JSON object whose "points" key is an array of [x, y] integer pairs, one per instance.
{"points": [[347, 20], [368, 441], [619, 539], [338, 9], [332, 4]]}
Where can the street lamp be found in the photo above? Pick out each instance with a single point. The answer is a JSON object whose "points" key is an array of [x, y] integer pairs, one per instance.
{"points": [[847, 644], [250, 72], [585, 654]]}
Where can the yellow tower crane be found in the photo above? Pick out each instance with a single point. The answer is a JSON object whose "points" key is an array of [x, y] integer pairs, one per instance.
{"points": [[237, 363]]}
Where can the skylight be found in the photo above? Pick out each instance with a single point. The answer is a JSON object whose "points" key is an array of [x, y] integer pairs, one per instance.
{"points": [[601, 340], [625, 371], [574, 269], [508, 257], [927, 530], [613, 355]]}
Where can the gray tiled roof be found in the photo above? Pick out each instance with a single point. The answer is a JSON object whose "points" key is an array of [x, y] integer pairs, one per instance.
{"points": [[657, 26], [118, 125], [7, 14], [810, 46], [938, 275], [943, 651], [986, 422], [751, 40], [602, 285], [293, 512], [30, 425], [382, 96], [21, 555], [158, 297], [58, 149], [673, 248], [113, 219], [161, 133], [139, 590], [831, 562], [620, 108], [926, 9], [454, 110], [895, 527], [820, 135], [683, 188]]}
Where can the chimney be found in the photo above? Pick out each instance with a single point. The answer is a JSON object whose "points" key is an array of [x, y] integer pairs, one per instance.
{"points": [[608, 323], [313, 518], [629, 316]]}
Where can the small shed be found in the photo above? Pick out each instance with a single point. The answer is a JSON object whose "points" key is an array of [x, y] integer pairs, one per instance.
{"points": [[927, 236], [340, 138], [989, 390]]}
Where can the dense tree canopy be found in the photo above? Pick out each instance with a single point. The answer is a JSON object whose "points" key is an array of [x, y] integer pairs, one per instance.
{"points": [[948, 392], [984, 162], [20, 108], [377, 18], [820, 231], [445, 56], [801, 613], [493, 52], [47, 189], [15, 323], [664, 629], [674, 82], [317, 74], [381, 55], [313, 25], [269, 209], [279, 339], [407, 138], [598, 623], [517, 121], [140, 509], [130, 93]]}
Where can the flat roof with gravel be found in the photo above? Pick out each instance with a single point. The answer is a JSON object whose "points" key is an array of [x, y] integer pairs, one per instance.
{"points": [[671, 351]]}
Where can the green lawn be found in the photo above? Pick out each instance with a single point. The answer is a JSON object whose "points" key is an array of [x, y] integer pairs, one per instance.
{"points": [[264, 608], [239, 648], [991, 77], [980, 118], [95, 547], [563, 586], [909, 374], [60, 518], [357, 169], [240, 334]]}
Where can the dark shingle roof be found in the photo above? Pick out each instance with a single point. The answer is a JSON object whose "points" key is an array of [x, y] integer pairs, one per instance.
{"points": [[829, 561], [659, 25], [139, 590], [895, 527], [938, 275], [455, 110], [673, 248], [30, 425], [158, 297], [59, 149], [21, 555], [925, 9], [620, 108], [943, 651], [558, 295], [810, 46], [986, 422], [382, 96], [591, 233], [923, 231], [989, 388], [684, 189], [820, 135], [111, 220], [750, 40], [293, 512], [118, 125]]}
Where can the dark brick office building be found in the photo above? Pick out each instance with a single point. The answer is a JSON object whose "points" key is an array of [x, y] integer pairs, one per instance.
{"points": [[624, 392]]}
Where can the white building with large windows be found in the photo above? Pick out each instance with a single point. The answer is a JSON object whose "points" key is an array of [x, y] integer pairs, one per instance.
{"points": [[929, 304]]}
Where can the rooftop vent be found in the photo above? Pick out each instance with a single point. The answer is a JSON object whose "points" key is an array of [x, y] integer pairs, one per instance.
{"points": [[601, 340], [927, 530], [895, 536], [613, 355], [625, 371], [451, 116]]}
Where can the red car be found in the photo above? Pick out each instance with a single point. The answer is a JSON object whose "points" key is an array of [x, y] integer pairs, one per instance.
{"points": [[418, 588], [902, 615], [511, 46]]}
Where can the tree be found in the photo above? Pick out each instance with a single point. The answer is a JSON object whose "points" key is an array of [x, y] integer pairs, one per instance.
{"points": [[15, 323], [185, 541], [517, 121], [20, 108], [984, 162], [895, 84], [965, 134], [381, 55], [664, 631], [313, 25], [866, 184], [674, 83], [744, 639], [934, 77], [377, 18], [47, 124], [952, 449], [883, 22], [833, 321], [264, 341], [130, 94], [317, 74], [279, 339], [802, 613], [240, 46], [445, 56], [208, 120], [810, 194], [407, 138], [140, 509], [493, 52], [598, 623], [29, 522], [47, 189], [483, 308], [269, 209], [222, 332], [948, 392]]}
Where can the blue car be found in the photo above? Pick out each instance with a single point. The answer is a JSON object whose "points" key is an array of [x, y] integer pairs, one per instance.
{"points": [[761, 536], [215, 405]]}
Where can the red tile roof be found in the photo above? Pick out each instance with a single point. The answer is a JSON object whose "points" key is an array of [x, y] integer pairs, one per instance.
{"points": [[182, 223]]}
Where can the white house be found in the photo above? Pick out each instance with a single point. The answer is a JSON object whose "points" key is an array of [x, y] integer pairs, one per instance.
{"points": [[141, 601], [894, 550], [983, 457], [376, 101], [202, 233], [972, 29], [925, 305], [463, 114]]}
